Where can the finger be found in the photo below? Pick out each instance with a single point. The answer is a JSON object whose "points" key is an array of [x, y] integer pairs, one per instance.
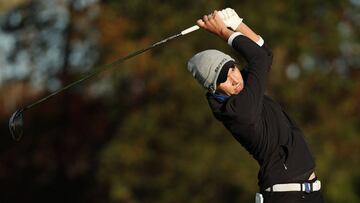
{"points": [[217, 17], [213, 15], [221, 14], [216, 14], [200, 23], [228, 10], [205, 18], [212, 22], [229, 13]]}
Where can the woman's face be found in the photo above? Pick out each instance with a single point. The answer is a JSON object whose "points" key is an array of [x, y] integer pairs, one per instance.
{"points": [[234, 83]]}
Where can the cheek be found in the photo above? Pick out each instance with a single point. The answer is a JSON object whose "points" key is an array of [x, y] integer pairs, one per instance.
{"points": [[231, 89], [227, 88], [239, 76]]}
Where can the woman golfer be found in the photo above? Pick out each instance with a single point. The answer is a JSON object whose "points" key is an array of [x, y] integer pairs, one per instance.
{"points": [[256, 121]]}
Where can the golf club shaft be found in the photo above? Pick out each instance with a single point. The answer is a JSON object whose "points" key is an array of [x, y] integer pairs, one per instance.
{"points": [[116, 62]]}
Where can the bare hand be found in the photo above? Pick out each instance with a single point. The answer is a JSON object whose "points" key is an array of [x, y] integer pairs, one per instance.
{"points": [[214, 24]]}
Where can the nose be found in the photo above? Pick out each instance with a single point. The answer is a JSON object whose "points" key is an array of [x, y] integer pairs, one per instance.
{"points": [[234, 80]]}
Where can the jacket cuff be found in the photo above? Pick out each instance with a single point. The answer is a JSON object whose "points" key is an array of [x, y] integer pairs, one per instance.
{"points": [[232, 37], [260, 42]]}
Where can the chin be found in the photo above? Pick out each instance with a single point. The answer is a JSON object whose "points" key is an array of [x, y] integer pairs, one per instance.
{"points": [[236, 92], [239, 89]]}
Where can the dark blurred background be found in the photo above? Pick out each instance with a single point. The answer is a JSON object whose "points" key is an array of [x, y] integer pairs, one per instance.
{"points": [[143, 132]]}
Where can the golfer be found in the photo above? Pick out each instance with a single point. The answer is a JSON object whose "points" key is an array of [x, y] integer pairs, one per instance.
{"points": [[237, 99]]}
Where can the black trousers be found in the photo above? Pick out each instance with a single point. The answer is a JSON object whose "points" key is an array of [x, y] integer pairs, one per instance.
{"points": [[293, 197]]}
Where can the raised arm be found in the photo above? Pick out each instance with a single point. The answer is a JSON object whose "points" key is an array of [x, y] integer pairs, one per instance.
{"points": [[249, 33], [248, 103], [214, 24], [219, 21]]}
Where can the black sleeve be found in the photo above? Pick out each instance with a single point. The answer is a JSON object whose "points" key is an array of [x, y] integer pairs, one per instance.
{"points": [[268, 51], [246, 106]]}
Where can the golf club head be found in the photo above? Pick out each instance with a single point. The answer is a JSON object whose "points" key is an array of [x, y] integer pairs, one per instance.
{"points": [[16, 123]]}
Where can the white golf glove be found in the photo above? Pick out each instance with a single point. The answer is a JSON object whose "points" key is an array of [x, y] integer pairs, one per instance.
{"points": [[230, 18]]}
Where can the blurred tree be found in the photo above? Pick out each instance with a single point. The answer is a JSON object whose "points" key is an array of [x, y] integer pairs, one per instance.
{"points": [[44, 39]]}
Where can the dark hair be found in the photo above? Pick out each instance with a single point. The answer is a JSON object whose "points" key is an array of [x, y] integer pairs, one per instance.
{"points": [[224, 71]]}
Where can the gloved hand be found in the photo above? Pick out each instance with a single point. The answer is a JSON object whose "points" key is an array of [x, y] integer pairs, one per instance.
{"points": [[230, 18]]}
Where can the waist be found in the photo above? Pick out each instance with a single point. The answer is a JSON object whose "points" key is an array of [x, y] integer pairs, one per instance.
{"points": [[278, 177], [307, 187], [310, 175], [306, 181]]}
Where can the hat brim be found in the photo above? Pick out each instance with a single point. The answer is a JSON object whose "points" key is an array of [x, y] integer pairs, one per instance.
{"points": [[222, 77]]}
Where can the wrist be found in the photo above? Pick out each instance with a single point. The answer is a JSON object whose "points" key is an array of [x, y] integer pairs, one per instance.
{"points": [[225, 33]]}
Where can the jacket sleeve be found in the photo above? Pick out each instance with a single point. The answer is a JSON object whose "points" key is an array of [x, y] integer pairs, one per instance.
{"points": [[246, 106]]}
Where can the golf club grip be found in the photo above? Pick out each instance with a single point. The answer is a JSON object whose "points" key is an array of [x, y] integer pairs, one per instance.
{"points": [[190, 29]]}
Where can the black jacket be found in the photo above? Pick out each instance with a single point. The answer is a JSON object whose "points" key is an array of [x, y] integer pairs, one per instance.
{"points": [[260, 124]]}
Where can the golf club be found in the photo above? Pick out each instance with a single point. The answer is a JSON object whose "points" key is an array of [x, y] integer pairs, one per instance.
{"points": [[16, 121]]}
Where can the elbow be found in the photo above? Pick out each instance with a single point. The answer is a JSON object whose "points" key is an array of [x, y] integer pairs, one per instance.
{"points": [[261, 60], [260, 56], [269, 54], [269, 57], [269, 60], [264, 58]]}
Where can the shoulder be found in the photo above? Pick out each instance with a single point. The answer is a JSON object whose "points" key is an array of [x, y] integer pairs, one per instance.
{"points": [[235, 108]]}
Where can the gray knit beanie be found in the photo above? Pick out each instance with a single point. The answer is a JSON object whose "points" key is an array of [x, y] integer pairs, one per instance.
{"points": [[205, 66]]}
